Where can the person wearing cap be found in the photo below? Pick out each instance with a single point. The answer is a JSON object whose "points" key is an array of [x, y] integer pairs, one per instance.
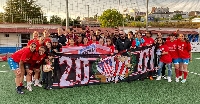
{"points": [[60, 37], [122, 43]]}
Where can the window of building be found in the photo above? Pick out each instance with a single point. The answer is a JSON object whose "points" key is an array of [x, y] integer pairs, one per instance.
{"points": [[6, 35]]}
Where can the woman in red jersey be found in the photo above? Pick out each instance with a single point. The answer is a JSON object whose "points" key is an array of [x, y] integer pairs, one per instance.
{"points": [[35, 38], [85, 42], [94, 40], [165, 57], [110, 45], [19, 62], [173, 51], [185, 55], [71, 42], [148, 40], [37, 61], [101, 41], [46, 36]]}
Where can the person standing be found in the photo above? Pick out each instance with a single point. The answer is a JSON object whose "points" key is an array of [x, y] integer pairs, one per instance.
{"points": [[18, 62], [185, 55], [60, 37], [165, 57], [173, 50], [122, 43]]}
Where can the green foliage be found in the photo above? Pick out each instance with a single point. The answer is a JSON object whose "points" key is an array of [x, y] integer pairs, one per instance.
{"points": [[55, 19], [136, 24], [72, 22], [19, 11], [177, 17], [111, 18]]}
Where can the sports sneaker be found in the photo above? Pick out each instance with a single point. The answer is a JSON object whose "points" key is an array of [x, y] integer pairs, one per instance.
{"points": [[180, 77], [19, 90], [29, 88], [169, 79], [177, 79], [37, 83], [151, 78], [164, 77], [158, 78], [183, 81]]}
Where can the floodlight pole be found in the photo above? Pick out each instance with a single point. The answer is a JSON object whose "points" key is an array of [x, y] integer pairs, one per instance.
{"points": [[147, 15], [67, 15]]}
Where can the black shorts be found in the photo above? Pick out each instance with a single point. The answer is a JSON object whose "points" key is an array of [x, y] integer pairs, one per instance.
{"points": [[27, 66]]}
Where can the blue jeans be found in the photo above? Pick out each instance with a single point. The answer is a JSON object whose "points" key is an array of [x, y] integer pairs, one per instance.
{"points": [[169, 67]]}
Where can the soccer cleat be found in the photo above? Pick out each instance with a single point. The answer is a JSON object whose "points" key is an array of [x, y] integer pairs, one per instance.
{"points": [[29, 87], [158, 78], [169, 79], [177, 79], [183, 81], [37, 83], [19, 90]]}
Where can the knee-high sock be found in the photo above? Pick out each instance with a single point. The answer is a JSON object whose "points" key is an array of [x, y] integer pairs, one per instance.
{"points": [[180, 73], [177, 73], [185, 74]]}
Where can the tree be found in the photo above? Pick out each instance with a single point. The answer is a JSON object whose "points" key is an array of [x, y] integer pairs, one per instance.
{"points": [[72, 22], [177, 17], [111, 18], [19, 11], [55, 19], [1, 17]]}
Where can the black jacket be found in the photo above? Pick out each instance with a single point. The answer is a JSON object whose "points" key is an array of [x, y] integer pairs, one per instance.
{"points": [[120, 45], [61, 39]]}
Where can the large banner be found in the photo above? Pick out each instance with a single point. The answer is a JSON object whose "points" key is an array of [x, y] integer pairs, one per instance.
{"points": [[195, 46], [93, 65]]}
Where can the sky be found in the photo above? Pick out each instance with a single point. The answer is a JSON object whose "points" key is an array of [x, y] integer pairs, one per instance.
{"points": [[80, 8]]}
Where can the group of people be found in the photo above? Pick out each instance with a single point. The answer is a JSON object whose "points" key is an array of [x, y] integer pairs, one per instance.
{"points": [[41, 51]]}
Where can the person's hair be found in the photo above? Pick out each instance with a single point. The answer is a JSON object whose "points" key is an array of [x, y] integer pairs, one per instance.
{"points": [[130, 32], [110, 40], [163, 41]]}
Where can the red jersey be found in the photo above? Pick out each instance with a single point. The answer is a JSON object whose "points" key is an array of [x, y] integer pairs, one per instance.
{"points": [[36, 42], [184, 49], [38, 58], [47, 40], [148, 41], [84, 44], [91, 42], [173, 48], [166, 58], [32, 41], [24, 55], [112, 48]]}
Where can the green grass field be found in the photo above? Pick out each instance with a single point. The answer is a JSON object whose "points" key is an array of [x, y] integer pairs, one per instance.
{"points": [[138, 92]]}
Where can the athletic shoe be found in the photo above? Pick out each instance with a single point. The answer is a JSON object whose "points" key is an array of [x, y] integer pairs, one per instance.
{"points": [[169, 79], [29, 88], [151, 78], [37, 83], [19, 90], [164, 77], [158, 78], [180, 77], [183, 81], [49, 88], [177, 79]]}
